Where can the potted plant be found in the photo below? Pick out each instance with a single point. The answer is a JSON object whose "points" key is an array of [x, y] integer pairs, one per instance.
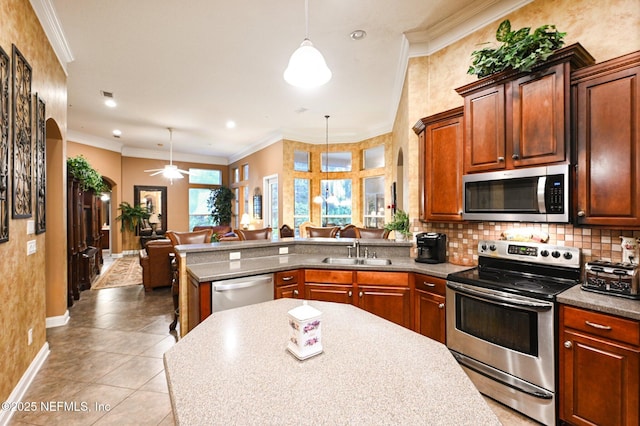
{"points": [[131, 216], [90, 180], [520, 50], [220, 204], [400, 225]]}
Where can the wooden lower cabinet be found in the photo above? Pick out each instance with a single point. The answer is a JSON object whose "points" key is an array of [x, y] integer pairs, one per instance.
{"points": [[599, 368], [386, 294], [429, 307], [286, 284]]}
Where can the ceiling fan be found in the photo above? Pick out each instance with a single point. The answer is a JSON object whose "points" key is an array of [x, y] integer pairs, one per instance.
{"points": [[169, 171]]}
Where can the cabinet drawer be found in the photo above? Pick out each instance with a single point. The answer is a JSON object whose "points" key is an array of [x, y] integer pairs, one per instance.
{"points": [[383, 278], [611, 327], [286, 277], [430, 284], [328, 276]]}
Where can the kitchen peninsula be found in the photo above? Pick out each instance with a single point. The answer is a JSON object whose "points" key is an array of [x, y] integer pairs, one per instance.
{"points": [[234, 369]]}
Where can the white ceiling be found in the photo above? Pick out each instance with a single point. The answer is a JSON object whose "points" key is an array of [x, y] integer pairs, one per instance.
{"points": [[195, 65]]}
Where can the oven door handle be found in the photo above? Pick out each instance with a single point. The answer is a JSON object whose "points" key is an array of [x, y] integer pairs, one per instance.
{"points": [[490, 296]]}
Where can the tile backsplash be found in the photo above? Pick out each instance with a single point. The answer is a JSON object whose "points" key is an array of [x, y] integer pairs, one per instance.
{"points": [[462, 238]]}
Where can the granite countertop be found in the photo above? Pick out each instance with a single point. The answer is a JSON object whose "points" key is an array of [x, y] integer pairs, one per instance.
{"points": [[613, 305], [234, 368], [215, 271]]}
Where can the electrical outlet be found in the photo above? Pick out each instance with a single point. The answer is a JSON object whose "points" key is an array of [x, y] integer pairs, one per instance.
{"points": [[30, 336], [31, 227], [234, 255], [283, 250], [31, 247]]}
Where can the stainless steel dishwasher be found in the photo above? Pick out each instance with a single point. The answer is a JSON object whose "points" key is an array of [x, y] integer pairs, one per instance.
{"points": [[228, 294]]}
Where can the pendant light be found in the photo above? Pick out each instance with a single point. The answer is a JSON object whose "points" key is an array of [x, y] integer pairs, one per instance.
{"points": [[307, 67], [328, 198], [169, 171]]}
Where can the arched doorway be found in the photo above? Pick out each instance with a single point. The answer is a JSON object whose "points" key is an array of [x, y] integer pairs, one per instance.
{"points": [[56, 227]]}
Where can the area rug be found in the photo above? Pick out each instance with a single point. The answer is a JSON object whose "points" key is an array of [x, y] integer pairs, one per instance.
{"points": [[123, 272]]}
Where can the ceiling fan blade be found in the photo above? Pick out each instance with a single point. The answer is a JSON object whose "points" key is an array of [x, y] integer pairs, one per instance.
{"points": [[156, 173], [183, 171], [152, 170]]}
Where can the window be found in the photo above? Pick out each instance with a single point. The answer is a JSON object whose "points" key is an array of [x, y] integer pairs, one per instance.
{"points": [[245, 172], [199, 212], [205, 176], [374, 157], [337, 211], [338, 161], [236, 207], [301, 161], [373, 202], [245, 194], [236, 175], [301, 203]]}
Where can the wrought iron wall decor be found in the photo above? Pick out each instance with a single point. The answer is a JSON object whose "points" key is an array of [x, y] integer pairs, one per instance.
{"points": [[22, 170], [41, 165], [4, 145]]}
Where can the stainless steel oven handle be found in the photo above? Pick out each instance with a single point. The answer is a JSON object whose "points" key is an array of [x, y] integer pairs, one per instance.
{"points": [[490, 296]]}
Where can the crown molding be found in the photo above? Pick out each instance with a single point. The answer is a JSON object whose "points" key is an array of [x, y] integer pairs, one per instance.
{"points": [[48, 18], [460, 25]]}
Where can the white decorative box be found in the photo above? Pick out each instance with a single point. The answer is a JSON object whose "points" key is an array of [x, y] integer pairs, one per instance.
{"points": [[304, 331]]}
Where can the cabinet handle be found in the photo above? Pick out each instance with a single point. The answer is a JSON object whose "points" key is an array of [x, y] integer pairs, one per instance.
{"points": [[515, 156], [289, 278], [349, 293], [581, 213], [295, 292], [500, 159], [428, 284], [598, 326], [361, 294], [441, 306], [568, 344]]}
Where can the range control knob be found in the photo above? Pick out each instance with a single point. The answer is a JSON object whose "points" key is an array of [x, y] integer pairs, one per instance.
{"points": [[492, 247], [567, 255], [555, 254], [544, 253], [483, 247]]}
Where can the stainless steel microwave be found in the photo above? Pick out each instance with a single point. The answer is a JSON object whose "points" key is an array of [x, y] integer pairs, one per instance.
{"points": [[534, 194]]}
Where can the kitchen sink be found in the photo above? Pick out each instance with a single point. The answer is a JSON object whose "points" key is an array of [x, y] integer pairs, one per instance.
{"points": [[354, 261]]}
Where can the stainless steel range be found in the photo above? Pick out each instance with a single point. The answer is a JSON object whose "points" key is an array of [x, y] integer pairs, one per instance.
{"points": [[502, 321]]}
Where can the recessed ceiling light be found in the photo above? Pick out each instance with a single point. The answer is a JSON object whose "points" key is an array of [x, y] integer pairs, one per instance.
{"points": [[231, 124], [117, 133], [358, 34]]}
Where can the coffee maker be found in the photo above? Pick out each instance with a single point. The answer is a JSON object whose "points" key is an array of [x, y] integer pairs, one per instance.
{"points": [[432, 247]]}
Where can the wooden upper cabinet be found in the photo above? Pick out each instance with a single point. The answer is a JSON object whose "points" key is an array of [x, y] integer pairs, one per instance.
{"points": [[607, 131], [514, 119], [440, 137]]}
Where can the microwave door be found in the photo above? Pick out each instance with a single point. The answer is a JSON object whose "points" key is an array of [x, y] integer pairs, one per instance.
{"points": [[542, 190]]}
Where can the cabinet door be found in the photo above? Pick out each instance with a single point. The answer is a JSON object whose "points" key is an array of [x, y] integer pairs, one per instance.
{"points": [[538, 111], [443, 169], [598, 381], [430, 315], [289, 291], [391, 303], [484, 118], [608, 139], [328, 292]]}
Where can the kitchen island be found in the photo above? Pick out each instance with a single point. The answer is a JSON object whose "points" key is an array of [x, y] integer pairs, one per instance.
{"points": [[234, 368]]}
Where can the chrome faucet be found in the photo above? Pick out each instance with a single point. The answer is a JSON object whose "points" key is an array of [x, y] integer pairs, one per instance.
{"points": [[356, 245]]}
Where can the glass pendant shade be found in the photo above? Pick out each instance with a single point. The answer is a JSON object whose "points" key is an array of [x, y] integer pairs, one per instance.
{"points": [[307, 67]]}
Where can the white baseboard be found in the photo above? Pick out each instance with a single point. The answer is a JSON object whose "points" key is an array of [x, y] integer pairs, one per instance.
{"points": [[23, 385], [129, 253], [58, 321]]}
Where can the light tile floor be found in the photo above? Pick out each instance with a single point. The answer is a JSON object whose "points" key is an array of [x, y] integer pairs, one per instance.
{"points": [[110, 355]]}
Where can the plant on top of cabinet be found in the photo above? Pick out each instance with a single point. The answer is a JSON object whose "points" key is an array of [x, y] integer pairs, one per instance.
{"points": [[90, 180], [400, 224], [520, 50]]}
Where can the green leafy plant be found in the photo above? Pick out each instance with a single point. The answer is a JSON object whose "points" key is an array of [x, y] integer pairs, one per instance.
{"points": [[400, 223], [220, 204], [131, 216], [520, 50], [90, 180]]}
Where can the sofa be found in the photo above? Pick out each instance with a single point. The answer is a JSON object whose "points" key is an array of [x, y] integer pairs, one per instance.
{"points": [[223, 232], [155, 260]]}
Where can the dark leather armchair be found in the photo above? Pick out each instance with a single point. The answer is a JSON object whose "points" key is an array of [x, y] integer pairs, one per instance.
{"points": [[254, 234], [156, 264], [180, 238], [327, 231], [286, 231], [349, 231]]}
